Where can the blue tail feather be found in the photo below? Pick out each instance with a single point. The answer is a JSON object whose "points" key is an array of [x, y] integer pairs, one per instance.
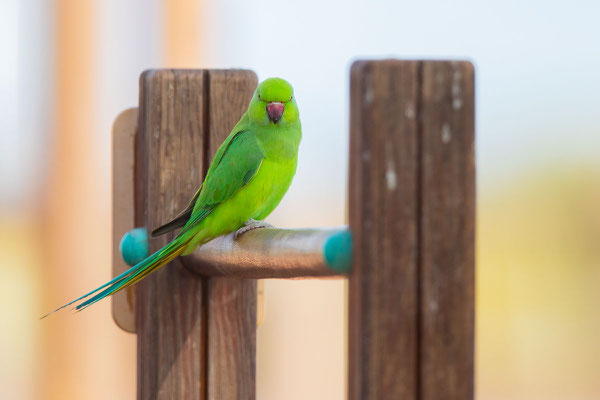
{"points": [[128, 277], [153, 260], [112, 281]]}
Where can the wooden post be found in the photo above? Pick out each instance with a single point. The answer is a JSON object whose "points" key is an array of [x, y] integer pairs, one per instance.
{"points": [[447, 226], [383, 303], [231, 301], [183, 116], [411, 297]]}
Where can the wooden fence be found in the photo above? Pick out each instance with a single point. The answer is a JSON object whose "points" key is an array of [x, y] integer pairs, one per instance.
{"points": [[412, 214]]}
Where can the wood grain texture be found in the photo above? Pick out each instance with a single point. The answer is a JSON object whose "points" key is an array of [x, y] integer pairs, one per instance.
{"points": [[123, 158], [383, 296], [412, 193], [196, 336], [231, 302], [169, 168], [447, 231]]}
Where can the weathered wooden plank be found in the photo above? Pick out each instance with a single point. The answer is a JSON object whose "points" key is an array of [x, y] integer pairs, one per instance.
{"points": [[231, 302], [123, 158], [383, 290], [170, 165], [447, 231]]}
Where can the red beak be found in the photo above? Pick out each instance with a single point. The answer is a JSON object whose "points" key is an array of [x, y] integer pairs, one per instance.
{"points": [[275, 110]]}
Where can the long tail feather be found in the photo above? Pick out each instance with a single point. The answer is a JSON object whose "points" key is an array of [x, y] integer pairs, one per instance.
{"points": [[116, 279], [133, 274], [157, 261]]}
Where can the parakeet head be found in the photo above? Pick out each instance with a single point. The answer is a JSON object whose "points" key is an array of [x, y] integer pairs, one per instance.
{"points": [[273, 103]]}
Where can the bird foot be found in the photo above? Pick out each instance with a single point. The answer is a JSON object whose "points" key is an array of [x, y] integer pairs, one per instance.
{"points": [[250, 225]]}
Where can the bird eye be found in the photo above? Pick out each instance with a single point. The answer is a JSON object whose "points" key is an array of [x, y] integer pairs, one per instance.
{"points": [[291, 98], [259, 97]]}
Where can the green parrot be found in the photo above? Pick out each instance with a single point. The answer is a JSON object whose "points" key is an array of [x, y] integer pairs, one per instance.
{"points": [[247, 178]]}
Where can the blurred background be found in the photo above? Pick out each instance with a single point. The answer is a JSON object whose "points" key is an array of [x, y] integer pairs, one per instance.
{"points": [[69, 67]]}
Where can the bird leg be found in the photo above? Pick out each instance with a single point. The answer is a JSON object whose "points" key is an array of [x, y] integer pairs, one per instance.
{"points": [[250, 225]]}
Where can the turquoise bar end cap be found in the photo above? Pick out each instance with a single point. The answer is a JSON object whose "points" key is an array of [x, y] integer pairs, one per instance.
{"points": [[134, 246], [338, 251]]}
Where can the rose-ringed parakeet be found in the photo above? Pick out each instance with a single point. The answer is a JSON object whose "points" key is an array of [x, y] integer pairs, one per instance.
{"points": [[247, 178]]}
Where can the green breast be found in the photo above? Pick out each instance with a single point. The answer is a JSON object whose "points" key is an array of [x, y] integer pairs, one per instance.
{"points": [[270, 185], [280, 146], [279, 143]]}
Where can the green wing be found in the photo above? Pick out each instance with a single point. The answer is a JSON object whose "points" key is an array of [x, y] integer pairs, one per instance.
{"points": [[237, 161], [230, 160]]}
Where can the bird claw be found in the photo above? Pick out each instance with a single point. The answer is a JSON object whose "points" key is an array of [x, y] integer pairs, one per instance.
{"points": [[250, 225]]}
